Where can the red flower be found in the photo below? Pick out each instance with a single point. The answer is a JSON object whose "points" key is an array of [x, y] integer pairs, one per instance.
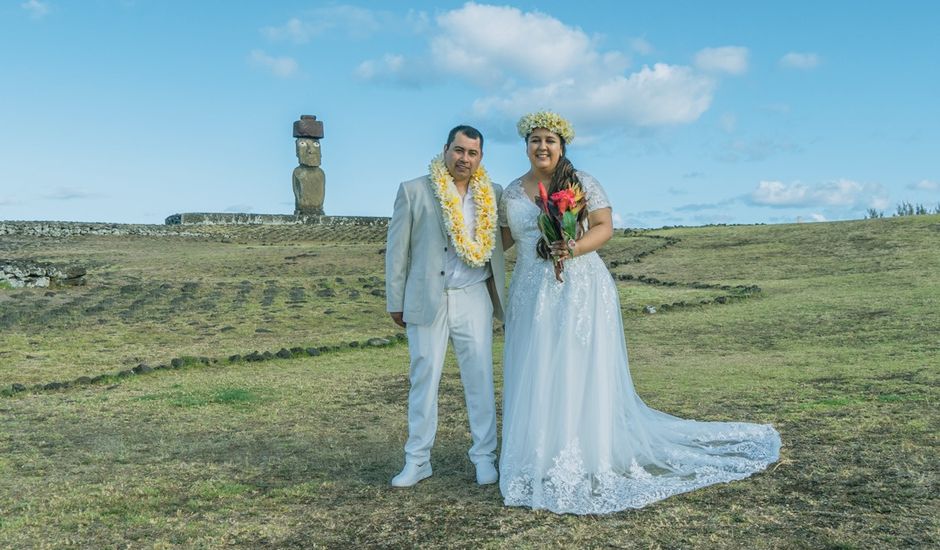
{"points": [[564, 199], [544, 194]]}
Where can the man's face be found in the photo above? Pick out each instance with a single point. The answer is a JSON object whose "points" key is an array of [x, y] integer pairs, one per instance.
{"points": [[462, 157]]}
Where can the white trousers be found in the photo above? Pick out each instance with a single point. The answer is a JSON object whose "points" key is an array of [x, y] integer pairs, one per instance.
{"points": [[466, 319]]}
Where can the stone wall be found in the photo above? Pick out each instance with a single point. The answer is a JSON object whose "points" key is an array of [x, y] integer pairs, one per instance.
{"points": [[20, 273], [69, 229], [210, 218]]}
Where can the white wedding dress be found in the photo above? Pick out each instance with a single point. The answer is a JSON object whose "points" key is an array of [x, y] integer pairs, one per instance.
{"points": [[576, 436]]}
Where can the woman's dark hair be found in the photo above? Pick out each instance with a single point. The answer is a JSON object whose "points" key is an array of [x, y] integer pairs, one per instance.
{"points": [[468, 131], [563, 177]]}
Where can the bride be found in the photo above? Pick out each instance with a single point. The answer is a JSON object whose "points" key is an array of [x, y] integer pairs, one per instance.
{"points": [[576, 436]]}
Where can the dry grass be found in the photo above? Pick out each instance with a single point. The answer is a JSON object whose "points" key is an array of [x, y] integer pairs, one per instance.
{"points": [[839, 351]]}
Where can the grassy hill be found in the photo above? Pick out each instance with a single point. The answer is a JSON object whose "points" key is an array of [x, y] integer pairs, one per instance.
{"points": [[829, 331]]}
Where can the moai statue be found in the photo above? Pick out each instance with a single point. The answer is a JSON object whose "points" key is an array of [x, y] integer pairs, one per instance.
{"points": [[309, 180]]}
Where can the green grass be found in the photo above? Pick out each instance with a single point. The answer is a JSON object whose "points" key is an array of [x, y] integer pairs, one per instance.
{"points": [[839, 351]]}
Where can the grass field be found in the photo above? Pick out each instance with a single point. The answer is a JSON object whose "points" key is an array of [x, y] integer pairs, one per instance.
{"points": [[830, 331]]}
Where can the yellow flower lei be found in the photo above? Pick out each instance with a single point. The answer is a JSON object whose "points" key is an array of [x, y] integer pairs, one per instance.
{"points": [[474, 252]]}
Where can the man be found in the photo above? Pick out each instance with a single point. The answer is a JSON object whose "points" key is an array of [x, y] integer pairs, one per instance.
{"points": [[445, 280]]}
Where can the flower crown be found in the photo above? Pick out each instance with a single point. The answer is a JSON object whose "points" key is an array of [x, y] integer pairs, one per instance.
{"points": [[552, 122]]}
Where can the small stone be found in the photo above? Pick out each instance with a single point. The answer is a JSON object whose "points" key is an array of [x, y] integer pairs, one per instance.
{"points": [[267, 355], [354, 344], [176, 362], [234, 358], [353, 293], [284, 353], [649, 309], [377, 292], [18, 388], [226, 328], [254, 356], [143, 368], [378, 342], [722, 299], [313, 352], [297, 350], [326, 293]]}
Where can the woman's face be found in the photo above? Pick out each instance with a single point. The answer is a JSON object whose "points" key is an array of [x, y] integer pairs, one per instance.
{"points": [[543, 149]]}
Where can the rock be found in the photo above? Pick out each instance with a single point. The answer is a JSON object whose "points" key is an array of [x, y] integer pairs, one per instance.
{"points": [[649, 309], [18, 388], [721, 300], [378, 342], [254, 356], [54, 386], [326, 293], [176, 362], [313, 352], [354, 344], [284, 353], [297, 350], [142, 368], [308, 126], [234, 358], [378, 292], [352, 293], [267, 355]]}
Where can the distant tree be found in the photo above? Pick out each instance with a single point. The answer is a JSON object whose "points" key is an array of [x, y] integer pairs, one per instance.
{"points": [[907, 209], [874, 214], [904, 209]]}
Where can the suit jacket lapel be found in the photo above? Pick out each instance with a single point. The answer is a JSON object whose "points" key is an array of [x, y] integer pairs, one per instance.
{"points": [[438, 209]]}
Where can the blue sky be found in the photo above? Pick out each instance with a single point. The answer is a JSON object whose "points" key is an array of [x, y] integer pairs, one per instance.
{"points": [[687, 112]]}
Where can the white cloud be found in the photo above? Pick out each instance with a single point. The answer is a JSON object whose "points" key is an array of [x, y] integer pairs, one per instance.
{"points": [[816, 217], [352, 21], [68, 193], [487, 44], [925, 185], [284, 67], [840, 193], [659, 96], [641, 46], [392, 68], [36, 9], [795, 60], [728, 122], [530, 60], [753, 150], [727, 59]]}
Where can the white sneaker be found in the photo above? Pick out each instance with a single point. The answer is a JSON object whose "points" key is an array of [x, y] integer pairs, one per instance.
{"points": [[486, 473], [412, 474]]}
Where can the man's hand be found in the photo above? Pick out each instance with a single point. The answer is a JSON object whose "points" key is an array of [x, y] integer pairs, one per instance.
{"points": [[397, 317]]}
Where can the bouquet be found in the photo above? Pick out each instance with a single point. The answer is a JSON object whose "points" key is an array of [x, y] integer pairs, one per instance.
{"points": [[559, 218]]}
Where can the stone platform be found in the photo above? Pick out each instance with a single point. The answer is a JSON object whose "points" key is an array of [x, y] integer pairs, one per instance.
{"points": [[223, 218]]}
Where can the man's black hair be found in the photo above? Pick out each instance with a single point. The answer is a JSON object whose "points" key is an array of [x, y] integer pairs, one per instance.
{"points": [[468, 131]]}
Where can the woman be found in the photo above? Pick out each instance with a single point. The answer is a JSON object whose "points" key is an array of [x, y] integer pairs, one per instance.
{"points": [[576, 437]]}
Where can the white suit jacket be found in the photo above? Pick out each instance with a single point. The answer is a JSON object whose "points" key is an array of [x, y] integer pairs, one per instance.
{"points": [[414, 256]]}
